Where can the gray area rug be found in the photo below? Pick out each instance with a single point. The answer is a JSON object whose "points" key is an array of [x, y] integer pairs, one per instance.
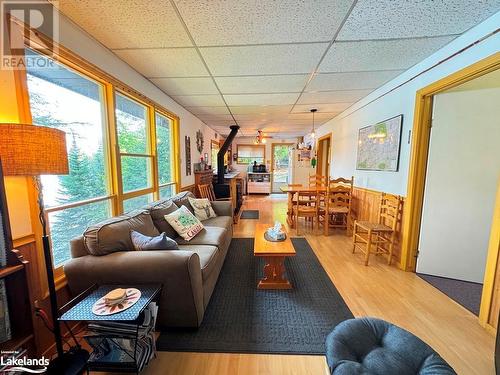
{"points": [[242, 319], [250, 214], [465, 293]]}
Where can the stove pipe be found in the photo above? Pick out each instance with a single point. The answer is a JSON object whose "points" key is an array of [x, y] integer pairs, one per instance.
{"points": [[222, 151]]}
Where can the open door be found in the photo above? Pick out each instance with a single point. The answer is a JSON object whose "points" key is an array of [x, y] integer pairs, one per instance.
{"points": [[280, 165], [324, 145]]}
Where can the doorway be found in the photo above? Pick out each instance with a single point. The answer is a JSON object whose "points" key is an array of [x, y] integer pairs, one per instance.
{"points": [[324, 144], [460, 188], [280, 165], [418, 205]]}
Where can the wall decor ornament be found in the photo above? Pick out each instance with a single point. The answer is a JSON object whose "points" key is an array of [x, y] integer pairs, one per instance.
{"points": [[199, 141], [187, 141]]}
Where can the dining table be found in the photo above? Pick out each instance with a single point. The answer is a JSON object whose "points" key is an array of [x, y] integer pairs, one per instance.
{"points": [[291, 190]]}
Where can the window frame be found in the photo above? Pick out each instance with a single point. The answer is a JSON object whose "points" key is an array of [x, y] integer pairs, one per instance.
{"points": [[263, 147], [111, 85]]}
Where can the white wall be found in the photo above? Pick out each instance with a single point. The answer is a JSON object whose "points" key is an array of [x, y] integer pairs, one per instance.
{"points": [[461, 184], [397, 97], [80, 42]]}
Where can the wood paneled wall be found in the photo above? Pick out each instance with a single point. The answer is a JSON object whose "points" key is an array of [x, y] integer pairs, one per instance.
{"points": [[366, 205]]}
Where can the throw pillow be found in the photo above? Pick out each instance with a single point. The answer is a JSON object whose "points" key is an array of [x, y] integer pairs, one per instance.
{"points": [[184, 223], [161, 242], [202, 208]]}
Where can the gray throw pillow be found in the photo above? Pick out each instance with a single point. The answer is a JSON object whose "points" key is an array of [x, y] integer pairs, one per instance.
{"points": [[161, 242]]}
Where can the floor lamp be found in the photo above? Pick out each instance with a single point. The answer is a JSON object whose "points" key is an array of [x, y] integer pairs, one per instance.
{"points": [[29, 150]]}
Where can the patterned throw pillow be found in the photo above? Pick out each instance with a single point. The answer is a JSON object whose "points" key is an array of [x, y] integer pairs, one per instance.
{"points": [[161, 242], [202, 208], [184, 223]]}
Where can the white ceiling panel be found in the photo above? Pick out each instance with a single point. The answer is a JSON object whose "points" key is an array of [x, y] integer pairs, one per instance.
{"points": [[215, 117], [124, 24], [207, 110], [263, 59], [326, 108], [380, 54], [262, 84], [226, 22], [260, 109], [199, 100], [386, 19], [261, 99], [186, 86], [345, 96], [351, 81], [160, 63]]}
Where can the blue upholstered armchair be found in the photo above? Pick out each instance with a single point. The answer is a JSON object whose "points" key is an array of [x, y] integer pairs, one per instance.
{"points": [[373, 346]]}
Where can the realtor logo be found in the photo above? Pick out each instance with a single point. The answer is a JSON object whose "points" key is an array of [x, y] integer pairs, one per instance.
{"points": [[31, 23]]}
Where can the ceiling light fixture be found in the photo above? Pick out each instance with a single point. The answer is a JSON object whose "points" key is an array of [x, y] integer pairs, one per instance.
{"points": [[313, 133], [260, 138]]}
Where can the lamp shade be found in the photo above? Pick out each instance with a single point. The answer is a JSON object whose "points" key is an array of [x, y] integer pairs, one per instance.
{"points": [[30, 150]]}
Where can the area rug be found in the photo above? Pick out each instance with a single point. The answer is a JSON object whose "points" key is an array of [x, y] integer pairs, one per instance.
{"points": [[464, 293], [242, 319], [250, 214]]}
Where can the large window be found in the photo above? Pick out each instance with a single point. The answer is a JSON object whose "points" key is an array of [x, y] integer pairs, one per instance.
{"points": [[64, 99], [247, 154], [103, 180]]}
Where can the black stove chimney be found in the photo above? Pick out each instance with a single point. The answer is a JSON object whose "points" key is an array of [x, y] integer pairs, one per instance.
{"points": [[222, 151]]}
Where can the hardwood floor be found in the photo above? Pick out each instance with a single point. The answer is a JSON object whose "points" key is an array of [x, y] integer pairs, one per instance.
{"points": [[377, 290]]}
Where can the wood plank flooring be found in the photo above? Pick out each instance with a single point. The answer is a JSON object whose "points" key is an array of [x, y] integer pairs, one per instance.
{"points": [[377, 290]]}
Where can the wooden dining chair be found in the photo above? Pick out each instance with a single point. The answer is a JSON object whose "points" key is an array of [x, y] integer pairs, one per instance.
{"points": [[336, 210], [317, 180], [382, 234], [306, 206], [207, 191]]}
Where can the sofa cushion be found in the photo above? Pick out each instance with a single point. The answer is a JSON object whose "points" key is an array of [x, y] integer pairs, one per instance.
{"points": [[184, 223], [208, 257], [225, 222], [182, 199], [158, 210], [202, 208], [113, 234], [213, 236], [161, 242]]}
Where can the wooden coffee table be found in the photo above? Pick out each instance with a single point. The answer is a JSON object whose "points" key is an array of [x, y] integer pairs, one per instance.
{"points": [[274, 254]]}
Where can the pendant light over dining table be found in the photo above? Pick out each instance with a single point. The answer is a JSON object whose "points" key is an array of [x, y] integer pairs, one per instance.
{"points": [[313, 132]]}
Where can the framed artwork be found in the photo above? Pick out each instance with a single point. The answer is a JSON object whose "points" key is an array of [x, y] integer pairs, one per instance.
{"points": [[379, 146], [187, 147]]}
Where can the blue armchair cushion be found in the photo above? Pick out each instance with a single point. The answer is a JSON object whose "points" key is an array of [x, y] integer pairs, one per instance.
{"points": [[372, 346]]}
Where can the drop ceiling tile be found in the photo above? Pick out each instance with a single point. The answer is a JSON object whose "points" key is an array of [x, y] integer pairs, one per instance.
{"points": [[261, 99], [262, 84], [199, 100], [383, 19], [207, 110], [260, 109], [329, 108], [263, 59], [125, 25], [380, 54], [159, 63], [351, 81], [215, 117], [223, 22], [186, 86], [345, 96]]}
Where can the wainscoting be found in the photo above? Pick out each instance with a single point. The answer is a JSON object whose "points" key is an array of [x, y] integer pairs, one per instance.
{"points": [[366, 205]]}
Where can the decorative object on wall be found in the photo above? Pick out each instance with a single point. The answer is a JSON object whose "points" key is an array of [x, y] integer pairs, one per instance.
{"points": [[379, 146], [187, 147], [199, 141]]}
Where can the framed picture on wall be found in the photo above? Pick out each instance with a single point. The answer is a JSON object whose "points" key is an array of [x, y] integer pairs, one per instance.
{"points": [[379, 146]]}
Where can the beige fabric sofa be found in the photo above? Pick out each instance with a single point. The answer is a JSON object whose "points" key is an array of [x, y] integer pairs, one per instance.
{"points": [[104, 255]]}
